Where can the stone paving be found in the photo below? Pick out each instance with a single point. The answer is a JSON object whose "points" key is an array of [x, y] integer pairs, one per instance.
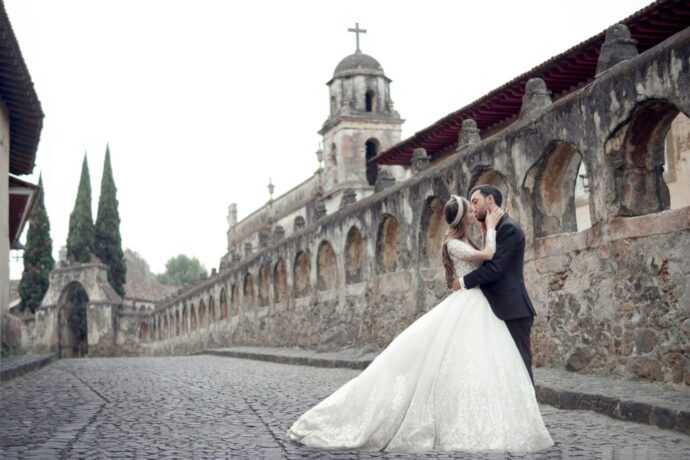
{"points": [[15, 365], [216, 407]]}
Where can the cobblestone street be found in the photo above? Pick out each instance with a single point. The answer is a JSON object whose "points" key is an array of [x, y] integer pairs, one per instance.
{"points": [[215, 407]]}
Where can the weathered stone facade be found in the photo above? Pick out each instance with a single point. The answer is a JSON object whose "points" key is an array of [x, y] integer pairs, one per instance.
{"points": [[611, 298]]}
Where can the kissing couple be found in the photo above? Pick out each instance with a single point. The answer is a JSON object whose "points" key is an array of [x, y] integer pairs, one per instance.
{"points": [[460, 377]]}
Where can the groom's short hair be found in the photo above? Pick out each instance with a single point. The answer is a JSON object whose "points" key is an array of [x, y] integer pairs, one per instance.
{"points": [[487, 190]]}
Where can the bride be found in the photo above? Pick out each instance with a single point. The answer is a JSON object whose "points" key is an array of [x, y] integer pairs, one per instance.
{"points": [[453, 380]]}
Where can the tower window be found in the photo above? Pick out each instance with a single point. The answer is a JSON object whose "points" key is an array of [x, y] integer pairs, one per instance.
{"points": [[369, 101], [371, 168]]}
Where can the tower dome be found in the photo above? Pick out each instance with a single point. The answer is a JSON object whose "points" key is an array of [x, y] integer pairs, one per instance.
{"points": [[358, 63]]}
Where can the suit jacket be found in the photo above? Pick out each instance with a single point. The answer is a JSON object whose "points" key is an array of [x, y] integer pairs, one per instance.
{"points": [[501, 278]]}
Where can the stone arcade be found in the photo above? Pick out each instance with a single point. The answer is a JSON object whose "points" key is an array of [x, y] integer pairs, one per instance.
{"points": [[348, 259]]}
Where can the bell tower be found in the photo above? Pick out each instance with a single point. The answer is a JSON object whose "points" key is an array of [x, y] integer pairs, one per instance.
{"points": [[361, 123]]}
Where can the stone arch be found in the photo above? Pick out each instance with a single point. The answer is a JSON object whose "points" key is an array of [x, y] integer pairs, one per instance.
{"points": [[192, 317], [354, 256], [235, 299], [388, 244], [202, 314], [165, 333], [301, 274], [248, 291], [326, 267], [73, 340], [223, 304], [432, 228], [211, 309], [552, 182], [177, 322], [144, 332], [371, 147], [280, 288], [263, 286], [636, 154]]}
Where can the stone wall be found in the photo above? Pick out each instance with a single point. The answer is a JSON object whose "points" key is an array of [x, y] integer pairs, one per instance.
{"points": [[609, 299]]}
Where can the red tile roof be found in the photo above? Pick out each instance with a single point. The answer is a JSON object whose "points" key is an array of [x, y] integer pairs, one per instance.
{"points": [[563, 74]]}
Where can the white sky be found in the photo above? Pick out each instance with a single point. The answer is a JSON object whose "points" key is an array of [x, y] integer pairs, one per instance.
{"points": [[201, 101]]}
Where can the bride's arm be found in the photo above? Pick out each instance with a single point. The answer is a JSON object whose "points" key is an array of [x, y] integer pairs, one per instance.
{"points": [[489, 248]]}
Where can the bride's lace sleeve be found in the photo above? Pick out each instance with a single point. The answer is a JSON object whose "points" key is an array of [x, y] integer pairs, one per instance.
{"points": [[460, 250], [491, 239]]}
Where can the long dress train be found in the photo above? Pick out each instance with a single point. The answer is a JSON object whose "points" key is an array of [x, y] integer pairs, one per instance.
{"points": [[453, 380]]}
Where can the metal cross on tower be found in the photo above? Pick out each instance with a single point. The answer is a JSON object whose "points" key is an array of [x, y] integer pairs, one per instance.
{"points": [[357, 31]]}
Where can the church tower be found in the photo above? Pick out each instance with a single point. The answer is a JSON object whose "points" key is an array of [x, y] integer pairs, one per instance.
{"points": [[362, 123]]}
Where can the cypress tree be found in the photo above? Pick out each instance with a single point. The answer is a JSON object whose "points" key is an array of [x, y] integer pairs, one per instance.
{"points": [[38, 256], [108, 246], [80, 240]]}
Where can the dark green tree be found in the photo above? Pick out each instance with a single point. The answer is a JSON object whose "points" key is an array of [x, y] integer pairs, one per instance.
{"points": [[80, 240], [108, 244], [181, 270], [38, 256]]}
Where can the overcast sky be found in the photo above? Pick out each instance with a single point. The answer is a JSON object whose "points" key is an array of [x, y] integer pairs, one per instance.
{"points": [[202, 101]]}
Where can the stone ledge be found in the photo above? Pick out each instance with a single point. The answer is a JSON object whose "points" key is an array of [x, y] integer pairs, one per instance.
{"points": [[15, 366], [664, 406]]}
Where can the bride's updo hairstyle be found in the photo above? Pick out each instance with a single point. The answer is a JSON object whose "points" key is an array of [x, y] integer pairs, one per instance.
{"points": [[455, 210]]}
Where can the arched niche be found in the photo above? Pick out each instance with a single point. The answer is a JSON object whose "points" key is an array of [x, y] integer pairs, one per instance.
{"points": [[432, 228], [301, 274], [354, 256], [263, 286], [249, 292], [326, 267], [388, 244], [223, 304], [280, 286], [637, 155], [552, 185]]}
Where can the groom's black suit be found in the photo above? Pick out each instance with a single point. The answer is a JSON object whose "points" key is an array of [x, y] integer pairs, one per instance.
{"points": [[501, 280]]}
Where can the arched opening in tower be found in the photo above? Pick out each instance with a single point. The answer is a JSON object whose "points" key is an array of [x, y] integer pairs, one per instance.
{"points": [[73, 330], [372, 167]]}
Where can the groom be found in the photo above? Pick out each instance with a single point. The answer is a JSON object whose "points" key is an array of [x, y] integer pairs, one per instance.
{"points": [[501, 279]]}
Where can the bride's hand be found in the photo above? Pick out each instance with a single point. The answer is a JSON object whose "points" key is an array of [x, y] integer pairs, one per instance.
{"points": [[493, 217]]}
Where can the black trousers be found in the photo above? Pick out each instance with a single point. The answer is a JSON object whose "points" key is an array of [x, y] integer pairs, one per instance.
{"points": [[520, 330]]}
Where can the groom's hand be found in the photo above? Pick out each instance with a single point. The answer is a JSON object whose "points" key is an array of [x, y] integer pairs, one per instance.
{"points": [[456, 285]]}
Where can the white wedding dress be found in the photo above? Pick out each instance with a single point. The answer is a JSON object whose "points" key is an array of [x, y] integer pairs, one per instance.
{"points": [[453, 381]]}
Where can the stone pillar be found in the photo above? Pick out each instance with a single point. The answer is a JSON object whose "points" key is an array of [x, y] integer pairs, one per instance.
{"points": [[384, 181], [618, 46], [469, 133], [278, 233], [349, 197], [420, 160], [319, 211], [264, 237], [299, 223], [536, 97]]}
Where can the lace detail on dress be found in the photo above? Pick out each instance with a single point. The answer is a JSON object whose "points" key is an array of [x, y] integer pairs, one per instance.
{"points": [[460, 253], [491, 239]]}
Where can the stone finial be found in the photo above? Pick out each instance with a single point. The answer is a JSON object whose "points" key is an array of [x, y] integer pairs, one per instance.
{"points": [[384, 181], [469, 133], [264, 237], [349, 197], [299, 223], [618, 46], [319, 211], [536, 97], [420, 160], [247, 249], [278, 233]]}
